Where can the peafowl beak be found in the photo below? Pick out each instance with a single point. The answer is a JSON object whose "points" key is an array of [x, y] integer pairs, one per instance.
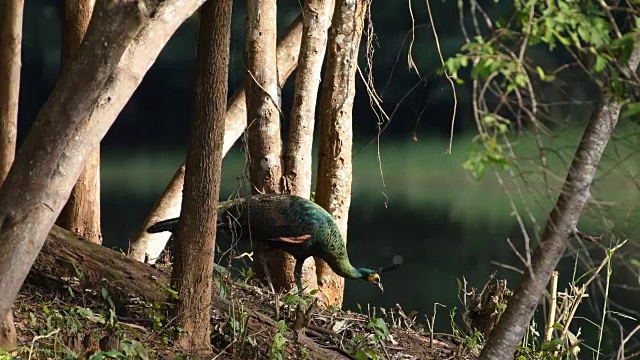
{"points": [[381, 287]]}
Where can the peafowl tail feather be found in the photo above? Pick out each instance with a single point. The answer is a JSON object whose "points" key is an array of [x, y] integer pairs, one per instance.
{"points": [[164, 225]]}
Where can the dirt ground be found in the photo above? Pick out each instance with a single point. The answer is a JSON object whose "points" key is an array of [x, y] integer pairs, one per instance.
{"points": [[82, 324], [84, 301]]}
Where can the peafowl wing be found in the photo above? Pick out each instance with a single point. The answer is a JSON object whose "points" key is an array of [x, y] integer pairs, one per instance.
{"points": [[291, 223]]}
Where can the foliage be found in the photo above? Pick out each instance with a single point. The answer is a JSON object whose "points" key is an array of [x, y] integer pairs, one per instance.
{"points": [[367, 346], [519, 95], [54, 324], [562, 334], [130, 349], [276, 352], [510, 80], [235, 329], [380, 329]]}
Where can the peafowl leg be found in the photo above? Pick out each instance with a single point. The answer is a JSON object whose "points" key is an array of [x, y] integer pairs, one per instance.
{"points": [[297, 273], [265, 268]]}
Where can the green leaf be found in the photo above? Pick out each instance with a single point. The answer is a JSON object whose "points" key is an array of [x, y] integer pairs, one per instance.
{"points": [[600, 64], [361, 355], [624, 46], [106, 355], [282, 326], [553, 344]]}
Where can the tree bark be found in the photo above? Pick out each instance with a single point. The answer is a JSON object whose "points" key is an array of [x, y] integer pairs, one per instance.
{"points": [[10, 64], [68, 128], [561, 224], [261, 86], [298, 155], [81, 214], [333, 189], [264, 145], [135, 62], [147, 247], [130, 282], [196, 233]]}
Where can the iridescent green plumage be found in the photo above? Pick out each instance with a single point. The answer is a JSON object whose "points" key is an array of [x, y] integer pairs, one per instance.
{"points": [[294, 224]]}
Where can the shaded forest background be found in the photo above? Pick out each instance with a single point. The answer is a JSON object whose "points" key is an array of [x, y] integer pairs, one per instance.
{"points": [[443, 223]]}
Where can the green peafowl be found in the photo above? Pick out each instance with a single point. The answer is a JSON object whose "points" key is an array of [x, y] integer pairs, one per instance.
{"points": [[291, 223]]}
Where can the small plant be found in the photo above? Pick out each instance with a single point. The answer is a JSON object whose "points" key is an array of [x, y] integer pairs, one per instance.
{"points": [[304, 354], [167, 290], [474, 341], [247, 274], [129, 349], [368, 354], [293, 299], [221, 279], [159, 315], [380, 329], [276, 352], [236, 328]]}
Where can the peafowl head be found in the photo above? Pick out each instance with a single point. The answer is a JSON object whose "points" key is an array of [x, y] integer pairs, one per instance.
{"points": [[373, 276]]}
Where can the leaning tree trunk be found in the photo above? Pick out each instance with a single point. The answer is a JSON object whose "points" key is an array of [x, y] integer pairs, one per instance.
{"points": [[560, 225], [67, 129], [263, 130], [196, 234], [130, 283], [147, 247], [10, 63], [298, 155], [333, 191], [81, 214]]}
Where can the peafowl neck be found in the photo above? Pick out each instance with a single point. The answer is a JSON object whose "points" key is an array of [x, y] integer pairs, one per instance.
{"points": [[344, 268]]}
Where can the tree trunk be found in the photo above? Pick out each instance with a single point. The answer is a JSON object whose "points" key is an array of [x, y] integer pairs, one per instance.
{"points": [[261, 88], [10, 63], [81, 214], [130, 282], [196, 233], [298, 155], [147, 247], [264, 145], [333, 191], [68, 128], [134, 64], [560, 226]]}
